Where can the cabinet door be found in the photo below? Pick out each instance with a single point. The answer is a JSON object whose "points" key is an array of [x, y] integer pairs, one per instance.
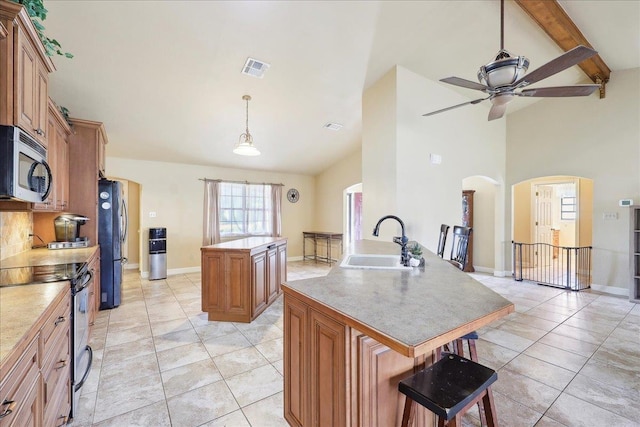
{"points": [[380, 370], [52, 160], [327, 376], [236, 292], [26, 108], [212, 281], [62, 167], [41, 102], [282, 265], [296, 341], [21, 387], [259, 283], [273, 284]]}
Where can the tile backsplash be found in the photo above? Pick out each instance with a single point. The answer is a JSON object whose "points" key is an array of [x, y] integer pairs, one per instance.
{"points": [[14, 233]]}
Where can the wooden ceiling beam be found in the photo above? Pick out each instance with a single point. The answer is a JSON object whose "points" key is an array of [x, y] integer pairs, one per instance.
{"points": [[552, 18]]}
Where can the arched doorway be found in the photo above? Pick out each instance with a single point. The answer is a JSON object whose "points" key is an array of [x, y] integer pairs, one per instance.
{"points": [[552, 230]]}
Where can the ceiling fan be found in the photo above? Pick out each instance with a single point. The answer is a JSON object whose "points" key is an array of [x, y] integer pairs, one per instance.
{"points": [[505, 77]]}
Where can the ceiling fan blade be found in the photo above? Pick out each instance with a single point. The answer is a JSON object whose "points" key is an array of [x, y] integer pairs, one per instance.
{"points": [[560, 91], [497, 111], [564, 61], [475, 101], [457, 81]]}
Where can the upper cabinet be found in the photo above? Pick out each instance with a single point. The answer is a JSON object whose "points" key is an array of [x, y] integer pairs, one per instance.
{"points": [[58, 132], [24, 73]]}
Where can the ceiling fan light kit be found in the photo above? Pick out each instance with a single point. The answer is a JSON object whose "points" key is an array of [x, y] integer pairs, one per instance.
{"points": [[507, 73]]}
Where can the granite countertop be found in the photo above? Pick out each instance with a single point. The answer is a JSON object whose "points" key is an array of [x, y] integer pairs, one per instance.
{"points": [[20, 308], [44, 256], [245, 244], [408, 310]]}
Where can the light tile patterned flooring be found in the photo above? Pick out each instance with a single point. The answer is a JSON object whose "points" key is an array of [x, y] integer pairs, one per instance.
{"points": [[563, 359]]}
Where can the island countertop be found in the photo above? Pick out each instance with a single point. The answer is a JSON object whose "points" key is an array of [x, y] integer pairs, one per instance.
{"points": [[411, 311]]}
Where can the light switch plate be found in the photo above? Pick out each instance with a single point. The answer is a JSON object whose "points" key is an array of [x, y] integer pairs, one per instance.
{"points": [[436, 159], [152, 215], [610, 215]]}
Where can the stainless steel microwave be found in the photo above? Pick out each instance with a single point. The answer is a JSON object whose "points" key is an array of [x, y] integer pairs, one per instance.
{"points": [[24, 172]]}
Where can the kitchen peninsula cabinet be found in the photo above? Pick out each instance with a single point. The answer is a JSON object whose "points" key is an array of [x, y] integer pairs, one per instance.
{"points": [[24, 73], [350, 337], [241, 278]]}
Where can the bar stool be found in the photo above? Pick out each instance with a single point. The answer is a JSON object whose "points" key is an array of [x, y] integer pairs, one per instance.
{"points": [[444, 229], [448, 388]]}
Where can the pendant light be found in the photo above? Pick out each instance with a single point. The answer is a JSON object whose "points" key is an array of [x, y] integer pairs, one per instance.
{"points": [[245, 146]]}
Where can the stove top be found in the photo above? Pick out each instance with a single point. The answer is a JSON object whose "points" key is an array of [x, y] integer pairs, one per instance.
{"points": [[16, 276]]}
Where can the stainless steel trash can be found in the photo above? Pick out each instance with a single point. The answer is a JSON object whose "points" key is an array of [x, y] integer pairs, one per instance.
{"points": [[157, 253]]}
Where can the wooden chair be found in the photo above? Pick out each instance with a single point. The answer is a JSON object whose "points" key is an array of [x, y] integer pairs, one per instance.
{"points": [[460, 246], [444, 229], [449, 388]]}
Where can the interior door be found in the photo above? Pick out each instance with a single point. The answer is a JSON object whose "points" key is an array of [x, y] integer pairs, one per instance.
{"points": [[543, 220]]}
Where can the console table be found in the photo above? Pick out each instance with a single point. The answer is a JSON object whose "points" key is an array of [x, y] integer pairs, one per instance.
{"points": [[322, 236]]}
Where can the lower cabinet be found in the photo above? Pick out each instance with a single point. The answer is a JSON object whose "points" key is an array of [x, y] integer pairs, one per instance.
{"points": [[94, 289], [335, 375], [36, 391], [241, 278]]}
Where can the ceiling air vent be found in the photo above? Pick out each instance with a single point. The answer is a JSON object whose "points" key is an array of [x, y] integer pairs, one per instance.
{"points": [[255, 68], [333, 126]]}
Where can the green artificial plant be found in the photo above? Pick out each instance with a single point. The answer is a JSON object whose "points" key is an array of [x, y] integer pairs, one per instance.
{"points": [[416, 249], [37, 13]]}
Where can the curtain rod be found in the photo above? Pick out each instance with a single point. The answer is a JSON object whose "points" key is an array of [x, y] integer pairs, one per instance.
{"points": [[239, 182]]}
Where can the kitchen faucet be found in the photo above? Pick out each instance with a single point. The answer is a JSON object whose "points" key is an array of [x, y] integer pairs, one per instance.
{"points": [[402, 241]]}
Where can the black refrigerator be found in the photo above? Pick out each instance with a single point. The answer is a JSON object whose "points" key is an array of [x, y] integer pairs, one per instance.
{"points": [[112, 228]]}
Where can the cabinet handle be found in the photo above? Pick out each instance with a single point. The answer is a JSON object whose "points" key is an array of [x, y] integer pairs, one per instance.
{"points": [[10, 407], [59, 320], [92, 323], [64, 419], [271, 246], [62, 363]]}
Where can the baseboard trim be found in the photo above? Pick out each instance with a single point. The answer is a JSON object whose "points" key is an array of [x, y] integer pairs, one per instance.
{"points": [[134, 266], [174, 271], [611, 290], [479, 269], [294, 258]]}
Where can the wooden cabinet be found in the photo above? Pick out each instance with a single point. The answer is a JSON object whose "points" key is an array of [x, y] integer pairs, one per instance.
{"points": [[335, 375], [634, 253], [241, 278], [86, 154], [467, 221], [24, 74], [19, 390], [93, 266], [58, 132], [37, 386]]}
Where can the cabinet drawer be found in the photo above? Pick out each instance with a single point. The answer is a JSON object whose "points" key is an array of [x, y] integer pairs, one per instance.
{"points": [[18, 389], [56, 325]]}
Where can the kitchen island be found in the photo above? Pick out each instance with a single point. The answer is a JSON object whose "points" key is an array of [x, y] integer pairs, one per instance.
{"points": [[352, 335]]}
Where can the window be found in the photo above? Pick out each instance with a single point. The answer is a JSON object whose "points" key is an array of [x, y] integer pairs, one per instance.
{"points": [[245, 210], [568, 208]]}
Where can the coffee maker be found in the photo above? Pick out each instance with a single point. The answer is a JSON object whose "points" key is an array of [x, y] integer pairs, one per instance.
{"points": [[67, 228]]}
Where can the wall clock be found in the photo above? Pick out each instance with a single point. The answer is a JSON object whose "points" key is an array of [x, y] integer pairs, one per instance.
{"points": [[293, 195]]}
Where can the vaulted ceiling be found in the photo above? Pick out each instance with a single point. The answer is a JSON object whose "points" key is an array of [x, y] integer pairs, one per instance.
{"points": [[164, 76]]}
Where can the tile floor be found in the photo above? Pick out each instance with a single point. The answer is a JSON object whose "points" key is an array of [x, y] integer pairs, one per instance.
{"points": [[563, 358]]}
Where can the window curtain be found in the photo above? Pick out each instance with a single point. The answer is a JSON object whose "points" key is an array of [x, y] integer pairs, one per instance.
{"points": [[211, 219], [276, 205]]}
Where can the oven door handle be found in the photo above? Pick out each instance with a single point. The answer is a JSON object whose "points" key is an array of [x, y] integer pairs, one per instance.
{"points": [[86, 373], [87, 278]]}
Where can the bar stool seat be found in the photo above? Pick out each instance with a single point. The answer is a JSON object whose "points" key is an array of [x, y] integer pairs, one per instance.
{"points": [[448, 388]]}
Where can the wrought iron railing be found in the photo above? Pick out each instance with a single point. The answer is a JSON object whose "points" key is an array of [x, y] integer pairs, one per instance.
{"points": [[559, 266]]}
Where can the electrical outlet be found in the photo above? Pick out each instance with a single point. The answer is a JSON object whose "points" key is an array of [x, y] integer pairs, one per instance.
{"points": [[610, 215]]}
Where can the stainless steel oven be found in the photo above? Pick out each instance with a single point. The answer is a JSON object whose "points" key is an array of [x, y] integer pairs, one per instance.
{"points": [[82, 353]]}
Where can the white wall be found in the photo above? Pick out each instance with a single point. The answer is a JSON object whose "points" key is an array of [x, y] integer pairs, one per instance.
{"points": [[427, 195], [330, 186], [594, 138], [174, 192]]}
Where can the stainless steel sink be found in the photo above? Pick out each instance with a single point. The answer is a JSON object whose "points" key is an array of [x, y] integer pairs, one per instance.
{"points": [[373, 262]]}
